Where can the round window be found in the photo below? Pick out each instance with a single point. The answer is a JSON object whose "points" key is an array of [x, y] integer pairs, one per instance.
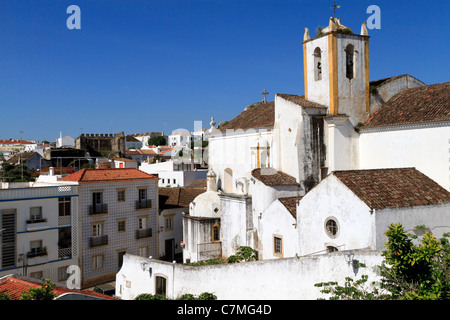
{"points": [[331, 227]]}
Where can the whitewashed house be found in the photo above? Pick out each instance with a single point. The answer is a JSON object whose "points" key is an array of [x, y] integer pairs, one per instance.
{"points": [[118, 214], [352, 209], [39, 229]]}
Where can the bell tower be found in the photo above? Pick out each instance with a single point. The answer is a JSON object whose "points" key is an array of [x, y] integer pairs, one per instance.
{"points": [[336, 70]]}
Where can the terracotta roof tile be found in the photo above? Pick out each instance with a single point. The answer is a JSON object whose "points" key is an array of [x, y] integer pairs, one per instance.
{"points": [[301, 101], [291, 204], [170, 197], [105, 175], [260, 116], [411, 106], [273, 177], [393, 188], [14, 285]]}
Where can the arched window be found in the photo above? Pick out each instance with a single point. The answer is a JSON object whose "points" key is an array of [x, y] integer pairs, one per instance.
{"points": [[317, 64], [350, 61], [215, 232]]}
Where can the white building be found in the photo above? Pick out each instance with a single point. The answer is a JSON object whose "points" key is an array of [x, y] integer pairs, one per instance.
{"points": [[39, 229], [173, 173], [290, 152], [179, 137], [65, 142], [117, 210]]}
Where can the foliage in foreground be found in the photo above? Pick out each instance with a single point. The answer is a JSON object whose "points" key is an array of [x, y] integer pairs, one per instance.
{"points": [[408, 271], [187, 296]]}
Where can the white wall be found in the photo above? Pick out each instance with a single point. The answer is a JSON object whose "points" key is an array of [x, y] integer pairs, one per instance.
{"points": [[276, 220], [277, 279], [331, 198], [425, 147]]}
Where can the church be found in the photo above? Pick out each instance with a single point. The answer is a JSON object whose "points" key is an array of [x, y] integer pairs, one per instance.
{"points": [[306, 174]]}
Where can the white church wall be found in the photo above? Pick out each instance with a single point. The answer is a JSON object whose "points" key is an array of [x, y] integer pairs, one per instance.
{"points": [[434, 217], [332, 200], [286, 279], [277, 221], [425, 147], [232, 150], [236, 227]]}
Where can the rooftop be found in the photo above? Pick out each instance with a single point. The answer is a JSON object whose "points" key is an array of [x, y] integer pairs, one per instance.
{"points": [[273, 177], [291, 204], [14, 285], [108, 175], [393, 188], [170, 197], [423, 104]]}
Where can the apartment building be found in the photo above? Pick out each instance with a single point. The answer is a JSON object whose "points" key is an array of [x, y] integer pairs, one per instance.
{"points": [[38, 229], [117, 212]]}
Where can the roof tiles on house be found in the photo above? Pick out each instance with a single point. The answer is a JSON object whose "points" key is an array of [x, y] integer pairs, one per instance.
{"points": [[108, 175], [260, 115], [393, 188], [170, 197], [273, 177], [301, 101], [15, 285], [291, 204], [423, 104]]}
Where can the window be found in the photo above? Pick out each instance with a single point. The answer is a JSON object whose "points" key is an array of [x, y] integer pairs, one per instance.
{"points": [[120, 195], [349, 61], [160, 283], [97, 262], [277, 246], [36, 246], [97, 229], [168, 223], [36, 214], [64, 206], [143, 251], [174, 181], [331, 249], [142, 194], [216, 232], [120, 226], [331, 227], [317, 64], [142, 223], [63, 275], [97, 198], [37, 275]]}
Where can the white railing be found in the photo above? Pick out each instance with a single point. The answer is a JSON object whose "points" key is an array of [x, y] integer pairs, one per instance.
{"points": [[37, 192]]}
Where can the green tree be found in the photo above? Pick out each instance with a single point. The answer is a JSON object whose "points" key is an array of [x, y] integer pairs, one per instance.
{"points": [[45, 292], [408, 272], [15, 173], [157, 141], [243, 254]]}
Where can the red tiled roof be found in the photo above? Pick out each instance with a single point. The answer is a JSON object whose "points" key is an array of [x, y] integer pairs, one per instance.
{"points": [[14, 141], [393, 188], [291, 204], [259, 116], [301, 101], [14, 286], [177, 196], [423, 104], [273, 177], [105, 175]]}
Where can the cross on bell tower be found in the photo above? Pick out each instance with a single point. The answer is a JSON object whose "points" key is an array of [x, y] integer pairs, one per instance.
{"points": [[334, 9], [264, 93]]}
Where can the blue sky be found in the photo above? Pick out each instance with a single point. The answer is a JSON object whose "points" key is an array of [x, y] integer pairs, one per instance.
{"points": [[158, 65]]}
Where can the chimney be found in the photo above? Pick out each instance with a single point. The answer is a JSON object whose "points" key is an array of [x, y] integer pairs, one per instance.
{"points": [[51, 171]]}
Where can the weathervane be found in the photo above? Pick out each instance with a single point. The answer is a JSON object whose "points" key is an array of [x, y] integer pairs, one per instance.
{"points": [[334, 9]]}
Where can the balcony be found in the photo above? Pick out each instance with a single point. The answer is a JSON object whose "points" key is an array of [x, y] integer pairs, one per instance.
{"points": [[98, 208], [98, 241], [145, 203], [37, 252], [36, 224], [143, 233]]}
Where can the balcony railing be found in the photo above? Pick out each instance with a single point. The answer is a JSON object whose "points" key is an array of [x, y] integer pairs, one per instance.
{"points": [[98, 241], [145, 203], [65, 253], [37, 252], [98, 208], [143, 233], [37, 220]]}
